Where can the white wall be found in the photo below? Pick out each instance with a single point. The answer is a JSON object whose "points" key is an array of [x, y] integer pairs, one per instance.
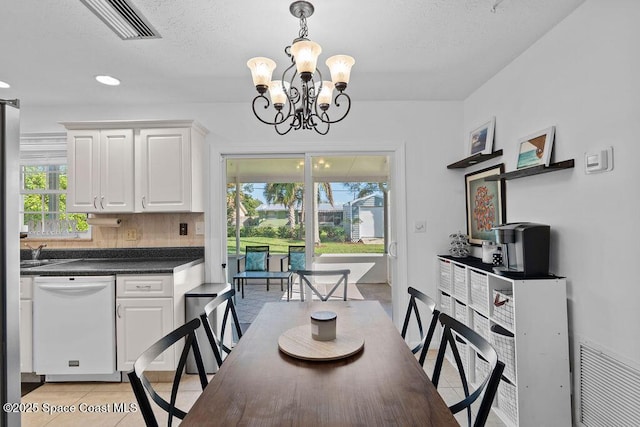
{"points": [[582, 77]]}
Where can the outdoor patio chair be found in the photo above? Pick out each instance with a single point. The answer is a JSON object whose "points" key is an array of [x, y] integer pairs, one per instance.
{"points": [[296, 259], [256, 258]]}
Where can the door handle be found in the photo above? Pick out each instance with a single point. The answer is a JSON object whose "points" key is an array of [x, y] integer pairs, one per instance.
{"points": [[102, 202], [392, 249], [118, 311], [94, 202], [143, 204]]}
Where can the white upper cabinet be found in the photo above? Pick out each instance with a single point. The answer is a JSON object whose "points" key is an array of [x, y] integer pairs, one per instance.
{"points": [[135, 166], [169, 171], [100, 168]]}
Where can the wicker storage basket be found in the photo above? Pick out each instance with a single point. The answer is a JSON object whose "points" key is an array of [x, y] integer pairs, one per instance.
{"points": [[507, 400], [445, 303], [445, 275], [503, 307], [461, 312], [459, 283], [479, 291], [482, 369], [481, 325], [504, 343]]}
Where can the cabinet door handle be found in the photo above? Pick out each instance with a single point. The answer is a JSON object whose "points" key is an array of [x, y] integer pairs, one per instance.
{"points": [[102, 202], [118, 311], [143, 286], [143, 204], [94, 202]]}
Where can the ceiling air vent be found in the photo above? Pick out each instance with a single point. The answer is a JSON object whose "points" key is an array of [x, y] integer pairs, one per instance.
{"points": [[123, 18]]}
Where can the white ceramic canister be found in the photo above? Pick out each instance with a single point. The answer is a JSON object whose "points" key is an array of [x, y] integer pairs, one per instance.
{"points": [[323, 325], [488, 249]]}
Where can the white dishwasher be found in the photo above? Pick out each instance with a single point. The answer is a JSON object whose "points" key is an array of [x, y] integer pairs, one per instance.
{"points": [[74, 328]]}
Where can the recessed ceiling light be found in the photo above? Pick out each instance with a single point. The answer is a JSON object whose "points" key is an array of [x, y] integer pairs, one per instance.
{"points": [[108, 80], [4, 85]]}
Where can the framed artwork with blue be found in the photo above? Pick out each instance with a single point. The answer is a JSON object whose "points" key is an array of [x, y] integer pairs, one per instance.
{"points": [[481, 138], [535, 149]]}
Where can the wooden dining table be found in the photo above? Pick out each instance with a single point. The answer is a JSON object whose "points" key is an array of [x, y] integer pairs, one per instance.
{"points": [[381, 385]]}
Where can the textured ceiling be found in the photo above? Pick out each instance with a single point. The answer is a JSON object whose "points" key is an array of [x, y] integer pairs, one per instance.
{"points": [[404, 50]]}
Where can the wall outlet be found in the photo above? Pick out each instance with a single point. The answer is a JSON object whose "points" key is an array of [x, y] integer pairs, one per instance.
{"points": [[183, 228], [131, 234], [199, 228]]}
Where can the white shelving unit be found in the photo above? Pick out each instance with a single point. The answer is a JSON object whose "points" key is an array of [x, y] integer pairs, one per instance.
{"points": [[535, 390]]}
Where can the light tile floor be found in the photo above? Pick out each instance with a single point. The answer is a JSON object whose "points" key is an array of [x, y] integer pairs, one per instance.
{"points": [[103, 404]]}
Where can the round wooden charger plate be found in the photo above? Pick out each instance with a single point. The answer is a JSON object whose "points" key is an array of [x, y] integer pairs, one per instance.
{"points": [[297, 342]]}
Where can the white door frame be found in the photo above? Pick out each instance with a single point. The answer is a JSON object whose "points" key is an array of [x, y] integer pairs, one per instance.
{"points": [[215, 213]]}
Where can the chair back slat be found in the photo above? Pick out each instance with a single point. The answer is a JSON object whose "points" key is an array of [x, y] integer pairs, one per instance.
{"points": [[216, 339], [141, 384], [425, 339], [455, 332], [343, 278]]}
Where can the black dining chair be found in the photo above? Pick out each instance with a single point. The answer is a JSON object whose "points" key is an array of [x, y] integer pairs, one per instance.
{"points": [[455, 332], [141, 384], [425, 339], [216, 338]]}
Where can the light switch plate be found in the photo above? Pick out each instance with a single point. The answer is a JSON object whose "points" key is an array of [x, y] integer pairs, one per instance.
{"points": [[199, 228], [600, 160]]}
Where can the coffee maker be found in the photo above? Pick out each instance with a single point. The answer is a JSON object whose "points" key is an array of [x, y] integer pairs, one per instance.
{"points": [[525, 247]]}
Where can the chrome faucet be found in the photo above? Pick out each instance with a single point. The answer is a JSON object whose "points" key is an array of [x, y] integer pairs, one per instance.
{"points": [[35, 252]]}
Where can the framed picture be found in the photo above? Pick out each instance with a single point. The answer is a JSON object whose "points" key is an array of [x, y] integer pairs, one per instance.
{"points": [[486, 205], [481, 139], [535, 149]]}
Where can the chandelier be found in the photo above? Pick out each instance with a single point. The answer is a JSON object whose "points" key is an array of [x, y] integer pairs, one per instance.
{"points": [[301, 98]]}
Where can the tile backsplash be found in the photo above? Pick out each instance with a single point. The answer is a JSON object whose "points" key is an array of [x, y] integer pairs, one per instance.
{"points": [[150, 229]]}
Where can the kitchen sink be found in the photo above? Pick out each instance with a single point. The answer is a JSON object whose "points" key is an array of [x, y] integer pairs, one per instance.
{"points": [[38, 262]]}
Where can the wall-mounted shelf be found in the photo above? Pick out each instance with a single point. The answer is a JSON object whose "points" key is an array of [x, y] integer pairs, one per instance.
{"points": [[475, 159], [536, 170]]}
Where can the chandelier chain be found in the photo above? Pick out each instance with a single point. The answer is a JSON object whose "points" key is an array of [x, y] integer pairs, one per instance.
{"points": [[304, 30]]}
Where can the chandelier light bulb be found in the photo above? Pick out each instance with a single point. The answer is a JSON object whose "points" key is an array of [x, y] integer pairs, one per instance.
{"points": [[340, 68], [278, 93], [305, 53], [326, 95], [261, 72]]}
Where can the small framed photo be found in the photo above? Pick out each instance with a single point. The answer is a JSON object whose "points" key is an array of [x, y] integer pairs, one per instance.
{"points": [[481, 139], [535, 149], [486, 206]]}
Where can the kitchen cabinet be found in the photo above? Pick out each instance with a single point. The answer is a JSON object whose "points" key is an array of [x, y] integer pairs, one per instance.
{"points": [[526, 322], [26, 324], [135, 166], [169, 173], [100, 170], [149, 307]]}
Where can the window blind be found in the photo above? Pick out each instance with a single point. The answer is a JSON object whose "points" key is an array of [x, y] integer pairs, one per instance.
{"points": [[43, 149]]}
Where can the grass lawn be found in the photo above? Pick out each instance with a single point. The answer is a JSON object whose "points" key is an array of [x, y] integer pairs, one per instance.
{"points": [[277, 245]]}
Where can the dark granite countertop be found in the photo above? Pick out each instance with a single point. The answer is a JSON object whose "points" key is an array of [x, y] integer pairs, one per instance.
{"points": [[115, 261]]}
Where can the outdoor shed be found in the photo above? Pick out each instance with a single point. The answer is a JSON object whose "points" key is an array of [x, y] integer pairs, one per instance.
{"points": [[364, 218]]}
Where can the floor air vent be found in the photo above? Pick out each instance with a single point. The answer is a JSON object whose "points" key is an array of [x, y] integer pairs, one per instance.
{"points": [[123, 18], [609, 390]]}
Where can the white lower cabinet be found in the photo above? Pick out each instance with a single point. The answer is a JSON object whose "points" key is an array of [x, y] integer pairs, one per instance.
{"points": [[526, 322], [26, 324], [148, 307], [139, 323]]}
